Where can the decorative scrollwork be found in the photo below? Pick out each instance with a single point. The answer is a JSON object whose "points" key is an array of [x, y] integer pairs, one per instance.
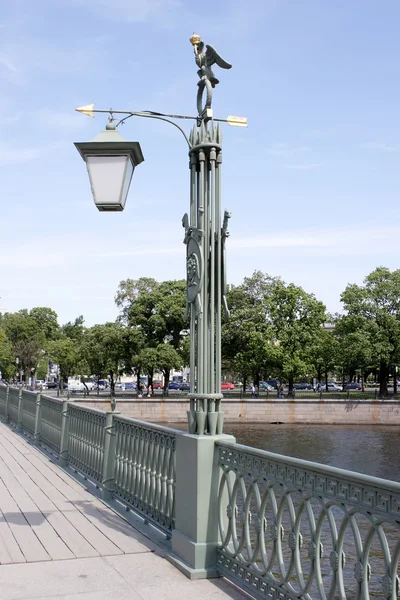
{"points": [[355, 517]]}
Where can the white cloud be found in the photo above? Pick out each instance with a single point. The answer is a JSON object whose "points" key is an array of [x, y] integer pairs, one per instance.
{"points": [[12, 154], [6, 63], [379, 146], [9, 70], [349, 241], [65, 120]]}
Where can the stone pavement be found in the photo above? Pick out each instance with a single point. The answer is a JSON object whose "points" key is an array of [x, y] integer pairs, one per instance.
{"points": [[59, 541]]}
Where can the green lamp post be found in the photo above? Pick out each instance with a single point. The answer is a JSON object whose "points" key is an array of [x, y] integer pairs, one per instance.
{"points": [[111, 161]]}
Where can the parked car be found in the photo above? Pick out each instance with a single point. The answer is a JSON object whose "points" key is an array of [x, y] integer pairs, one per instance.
{"points": [[264, 385], [52, 385], [130, 385], [40, 383], [157, 385], [76, 387], [174, 385], [227, 385], [303, 386], [332, 387], [184, 387], [353, 385], [89, 384], [275, 383], [102, 384]]}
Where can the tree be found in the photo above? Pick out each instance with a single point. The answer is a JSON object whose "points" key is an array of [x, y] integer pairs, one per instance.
{"points": [[296, 318], [168, 359], [46, 321], [373, 310], [7, 361], [324, 353], [247, 342], [74, 331], [29, 333], [148, 361], [103, 348], [27, 340], [64, 352], [155, 309]]}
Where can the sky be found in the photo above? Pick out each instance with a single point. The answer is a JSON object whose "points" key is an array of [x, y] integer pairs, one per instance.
{"points": [[312, 184]]}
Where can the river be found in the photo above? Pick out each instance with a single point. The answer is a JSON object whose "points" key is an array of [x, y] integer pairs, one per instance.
{"points": [[370, 449]]}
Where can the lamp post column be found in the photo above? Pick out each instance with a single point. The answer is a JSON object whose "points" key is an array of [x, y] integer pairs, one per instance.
{"points": [[204, 239]]}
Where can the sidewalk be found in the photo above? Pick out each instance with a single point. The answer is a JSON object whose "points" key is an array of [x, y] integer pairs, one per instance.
{"points": [[58, 541]]}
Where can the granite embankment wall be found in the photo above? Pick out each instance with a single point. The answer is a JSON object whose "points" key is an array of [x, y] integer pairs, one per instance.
{"points": [[324, 412]]}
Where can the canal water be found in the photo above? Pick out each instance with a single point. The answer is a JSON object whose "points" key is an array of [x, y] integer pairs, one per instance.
{"points": [[373, 450], [370, 449]]}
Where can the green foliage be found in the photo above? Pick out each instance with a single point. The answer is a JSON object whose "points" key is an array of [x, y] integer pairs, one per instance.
{"points": [[272, 328], [103, 348], [64, 352], [154, 309], [296, 319], [46, 321], [324, 353], [29, 333], [168, 359], [370, 327], [148, 361], [74, 331], [7, 362], [247, 341]]}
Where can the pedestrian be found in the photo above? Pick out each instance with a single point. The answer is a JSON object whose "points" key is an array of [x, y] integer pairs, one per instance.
{"points": [[150, 391], [280, 390], [253, 391]]}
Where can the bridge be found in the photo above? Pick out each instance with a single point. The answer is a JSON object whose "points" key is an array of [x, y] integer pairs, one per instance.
{"points": [[94, 504]]}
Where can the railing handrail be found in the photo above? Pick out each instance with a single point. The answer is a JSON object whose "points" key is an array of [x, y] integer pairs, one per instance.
{"points": [[353, 476], [52, 398], [30, 392], [89, 409], [149, 425]]}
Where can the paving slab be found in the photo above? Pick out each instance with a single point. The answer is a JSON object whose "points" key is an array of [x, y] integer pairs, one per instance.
{"points": [[134, 577], [60, 542]]}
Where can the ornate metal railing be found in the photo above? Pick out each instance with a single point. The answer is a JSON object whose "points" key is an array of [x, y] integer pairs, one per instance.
{"points": [[13, 404], [295, 529], [86, 440], [144, 476], [28, 410], [3, 399], [50, 422]]}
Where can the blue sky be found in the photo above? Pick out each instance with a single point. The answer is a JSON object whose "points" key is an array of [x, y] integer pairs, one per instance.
{"points": [[312, 184]]}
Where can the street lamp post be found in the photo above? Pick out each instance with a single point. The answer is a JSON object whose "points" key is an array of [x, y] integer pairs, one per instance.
{"points": [[111, 161]]}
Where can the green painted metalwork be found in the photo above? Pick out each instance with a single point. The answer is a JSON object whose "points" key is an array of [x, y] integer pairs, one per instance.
{"points": [[3, 400], [29, 410], [13, 405], [50, 422], [295, 529], [205, 242], [86, 440], [144, 476]]}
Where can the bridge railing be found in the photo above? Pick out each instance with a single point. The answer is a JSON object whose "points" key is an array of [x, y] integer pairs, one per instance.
{"points": [[130, 460], [291, 528], [277, 526], [144, 476]]}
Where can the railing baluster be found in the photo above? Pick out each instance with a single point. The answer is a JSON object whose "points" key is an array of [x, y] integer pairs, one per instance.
{"points": [[305, 512]]}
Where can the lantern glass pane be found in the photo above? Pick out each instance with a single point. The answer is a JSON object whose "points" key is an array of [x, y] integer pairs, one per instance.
{"points": [[110, 177]]}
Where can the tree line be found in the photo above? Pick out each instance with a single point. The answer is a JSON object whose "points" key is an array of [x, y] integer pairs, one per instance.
{"points": [[275, 330]]}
